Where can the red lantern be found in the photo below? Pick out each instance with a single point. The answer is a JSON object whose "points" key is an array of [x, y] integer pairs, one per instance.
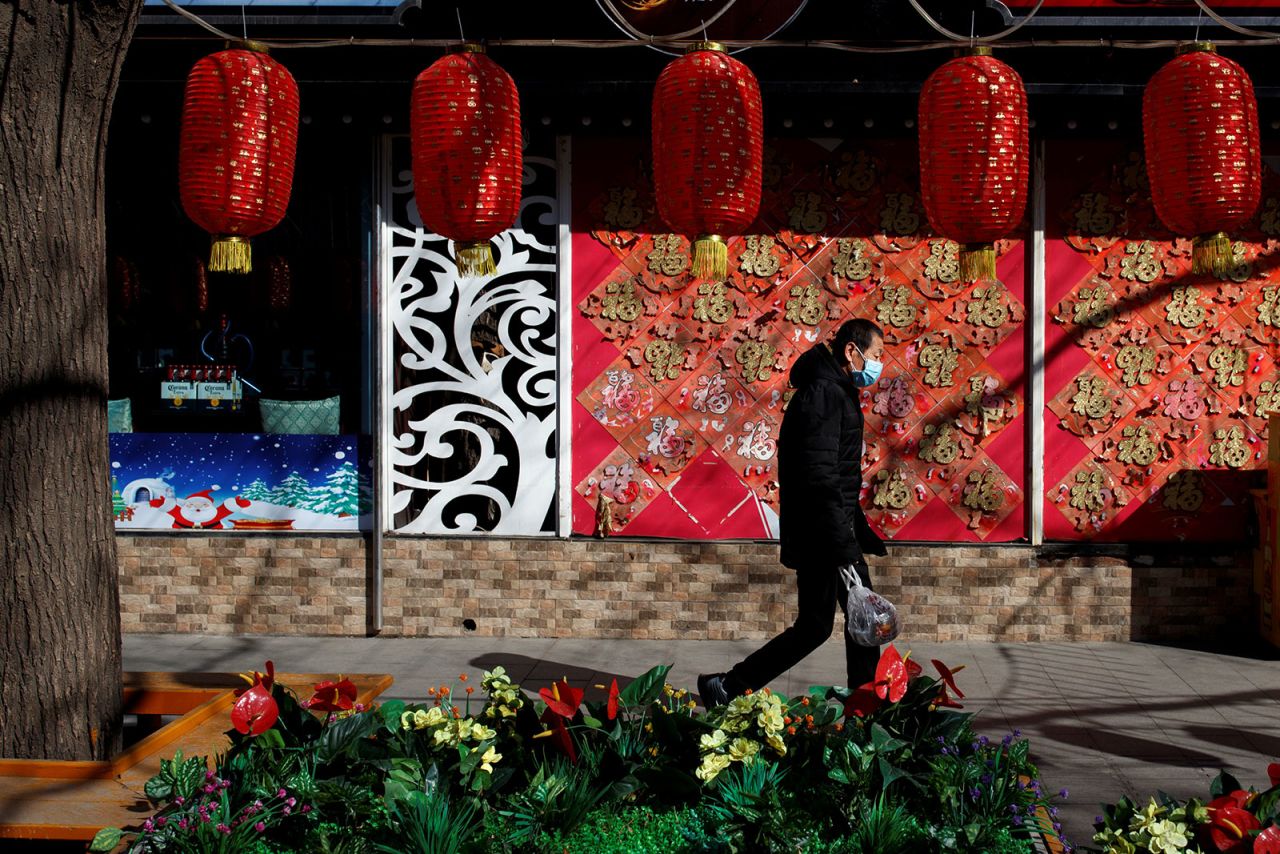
{"points": [[974, 159], [1200, 129], [707, 151], [239, 137], [468, 158]]}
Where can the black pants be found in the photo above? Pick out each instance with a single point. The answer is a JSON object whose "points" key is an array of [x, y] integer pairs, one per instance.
{"points": [[820, 590]]}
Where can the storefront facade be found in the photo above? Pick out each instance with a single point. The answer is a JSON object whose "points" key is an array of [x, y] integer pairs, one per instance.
{"points": [[1064, 453]]}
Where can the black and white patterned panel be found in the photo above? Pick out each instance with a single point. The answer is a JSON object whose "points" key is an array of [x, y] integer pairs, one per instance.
{"points": [[470, 432]]}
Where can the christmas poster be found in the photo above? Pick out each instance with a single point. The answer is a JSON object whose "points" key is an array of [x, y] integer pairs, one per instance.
{"points": [[239, 481]]}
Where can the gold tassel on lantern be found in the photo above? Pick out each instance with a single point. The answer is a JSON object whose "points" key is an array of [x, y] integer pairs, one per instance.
{"points": [[475, 259], [1211, 253], [710, 258], [977, 262], [230, 255]]}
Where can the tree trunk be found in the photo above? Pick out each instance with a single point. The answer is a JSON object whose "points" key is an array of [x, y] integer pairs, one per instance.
{"points": [[60, 636]]}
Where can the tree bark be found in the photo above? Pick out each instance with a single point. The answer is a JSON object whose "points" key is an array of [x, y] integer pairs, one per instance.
{"points": [[60, 638]]}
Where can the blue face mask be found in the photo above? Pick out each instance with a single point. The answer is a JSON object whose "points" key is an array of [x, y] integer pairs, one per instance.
{"points": [[870, 370]]}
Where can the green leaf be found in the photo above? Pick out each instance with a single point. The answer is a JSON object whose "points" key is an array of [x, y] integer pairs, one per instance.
{"points": [[882, 741], [1223, 784], [889, 773], [340, 736], [106, 839], [645, 688], [158, 788], [271, 738], [594, 723], [391, 712]]}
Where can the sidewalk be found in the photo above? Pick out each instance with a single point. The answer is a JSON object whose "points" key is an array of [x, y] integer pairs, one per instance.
{"points": [[1103, 719]]}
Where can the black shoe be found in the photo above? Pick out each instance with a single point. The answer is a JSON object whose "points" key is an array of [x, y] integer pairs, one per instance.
{"points": [[712, 690]]}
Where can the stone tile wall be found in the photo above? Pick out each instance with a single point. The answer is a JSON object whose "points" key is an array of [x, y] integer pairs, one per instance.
{"points": [[317, 585]]}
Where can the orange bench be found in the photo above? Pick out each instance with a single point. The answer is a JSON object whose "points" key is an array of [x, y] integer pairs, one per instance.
{"points": [[43, 799]]}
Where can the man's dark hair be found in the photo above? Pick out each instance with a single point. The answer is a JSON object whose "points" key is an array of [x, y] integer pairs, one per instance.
{"points": [[860, 331]]}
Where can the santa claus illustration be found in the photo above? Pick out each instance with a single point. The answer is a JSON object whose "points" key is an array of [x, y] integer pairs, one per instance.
{"points": [[198, 510]]}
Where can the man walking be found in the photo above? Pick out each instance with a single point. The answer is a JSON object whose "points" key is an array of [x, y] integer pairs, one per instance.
{"points": [[823, 527]]}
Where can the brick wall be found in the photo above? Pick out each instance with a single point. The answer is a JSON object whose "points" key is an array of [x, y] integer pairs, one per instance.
{"points": [[317, 585]]}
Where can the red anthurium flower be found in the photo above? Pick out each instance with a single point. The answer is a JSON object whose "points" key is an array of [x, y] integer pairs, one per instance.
{"points": [[559, 733], [613, 700], [913, 669], [1239, 799], [862, 702], [255, 711], [333, 696], [562, 698], [891, 675], [1227, 830], [948, 676], [1268, 841], [944, 699], [1273, 771]]}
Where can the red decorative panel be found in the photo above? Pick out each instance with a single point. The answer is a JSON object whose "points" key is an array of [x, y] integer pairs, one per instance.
{"points": [[1158, 381], [681, 384]]}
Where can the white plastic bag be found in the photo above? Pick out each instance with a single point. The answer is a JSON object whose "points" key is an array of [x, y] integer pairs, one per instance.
{"points": [[870, 619]]}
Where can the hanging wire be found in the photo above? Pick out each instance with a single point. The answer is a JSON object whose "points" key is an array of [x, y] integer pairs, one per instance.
{"points": [[1235, 28], [928, 19], [1257, 39], [461, 35]]}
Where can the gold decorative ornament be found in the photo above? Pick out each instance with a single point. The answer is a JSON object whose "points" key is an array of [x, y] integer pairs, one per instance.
{"points": [[899, 216], [1267, 402], [1092, 307], [1229, 364], [665, 358], [1268, 310], [666, 257], [621, 301], [805, 305], [1229, 450], [1091, 399], [1183, 492], [1239, 269], [850, 261], [895, 308], [943, 263], [986, 308], [806, 214], [938, 446], [1088, 492], [891, 490], [757, 360], [1137, 363], [1136, 448], [1184, 309], [940, 363], [982, 493], [712, 306], [758, 260], [856, 172], [621, 213], [1095, 216], [1139, 263]]}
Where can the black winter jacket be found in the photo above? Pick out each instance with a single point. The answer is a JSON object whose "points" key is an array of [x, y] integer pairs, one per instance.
{"points": [[820, 468]]}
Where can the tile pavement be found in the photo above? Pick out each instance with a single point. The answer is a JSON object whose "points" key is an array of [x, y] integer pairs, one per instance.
{"points": [[1104, 719]]}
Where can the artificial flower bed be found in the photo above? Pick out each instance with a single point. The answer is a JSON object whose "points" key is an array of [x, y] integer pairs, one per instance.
{"points": [[892, 766], [1233, 821]]}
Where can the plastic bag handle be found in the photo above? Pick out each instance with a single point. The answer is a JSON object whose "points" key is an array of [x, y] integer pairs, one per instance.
{"points": [[850, 576]]}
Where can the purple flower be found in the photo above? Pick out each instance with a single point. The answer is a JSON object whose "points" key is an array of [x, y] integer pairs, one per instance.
{"points": [[986, 779], [208, 775], [260, 826], [306, 808], [282, 794], [161, 821], [222, 828], [975, 793], [1017, 733], [182, 825], [983, 740], [179, 800], [1007, 740], [1062, 793], [1014, 808], [294, 801], [148, 826], [1017, 819]]}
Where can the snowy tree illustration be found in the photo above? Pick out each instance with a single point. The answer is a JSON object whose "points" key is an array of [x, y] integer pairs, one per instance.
{"points": [[257, 491], [339, 495], [293, 491]]}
